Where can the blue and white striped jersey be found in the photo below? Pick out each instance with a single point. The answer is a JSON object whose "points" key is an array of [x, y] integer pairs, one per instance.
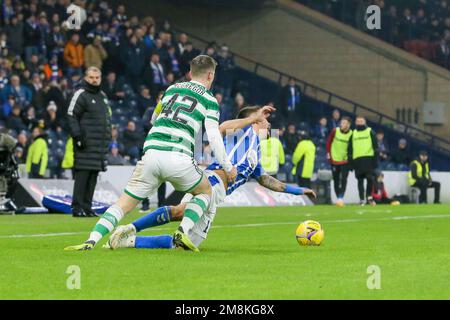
{"points": [[243, 150]]}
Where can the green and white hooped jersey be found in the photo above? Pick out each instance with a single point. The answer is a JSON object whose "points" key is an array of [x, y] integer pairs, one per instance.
{"points": [[185, 107]]}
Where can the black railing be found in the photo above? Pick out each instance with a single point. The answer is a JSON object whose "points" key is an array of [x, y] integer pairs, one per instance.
{"points": [[348, 105]]}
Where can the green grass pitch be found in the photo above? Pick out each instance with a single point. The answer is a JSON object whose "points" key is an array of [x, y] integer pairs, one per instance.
{"points": [[251, 253]]}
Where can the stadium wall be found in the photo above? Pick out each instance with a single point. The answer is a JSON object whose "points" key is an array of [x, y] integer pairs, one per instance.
{"points": [[308, 45]]}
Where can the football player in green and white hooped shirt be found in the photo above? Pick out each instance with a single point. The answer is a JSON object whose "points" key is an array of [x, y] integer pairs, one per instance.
{"points": [[169, 149]]}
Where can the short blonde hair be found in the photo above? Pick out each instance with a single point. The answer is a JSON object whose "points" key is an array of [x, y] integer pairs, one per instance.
{"points": [[202, 64]]}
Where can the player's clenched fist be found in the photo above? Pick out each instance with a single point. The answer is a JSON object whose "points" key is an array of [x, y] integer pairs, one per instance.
{"points": [[231, 175]]}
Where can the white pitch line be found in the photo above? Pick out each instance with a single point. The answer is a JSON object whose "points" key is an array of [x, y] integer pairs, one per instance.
{"points": [[41, 235], [399, 218]]}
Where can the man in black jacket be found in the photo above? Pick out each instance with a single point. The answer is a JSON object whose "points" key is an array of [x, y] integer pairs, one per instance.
{"points": [[89, 118]]}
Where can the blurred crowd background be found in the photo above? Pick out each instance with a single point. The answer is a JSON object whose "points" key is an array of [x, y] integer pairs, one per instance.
{"points": [[41, 64]]}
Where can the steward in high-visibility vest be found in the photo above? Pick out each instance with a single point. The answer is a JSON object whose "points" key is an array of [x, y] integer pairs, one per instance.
{"points": [[303, 160], [362, 155], [67, 162], [418, 171], [419, 177], [272, 155], [37, 157], [337, 154]]}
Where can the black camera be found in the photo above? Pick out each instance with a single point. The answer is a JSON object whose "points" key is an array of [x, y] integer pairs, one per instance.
{"points": [[8, 173]]}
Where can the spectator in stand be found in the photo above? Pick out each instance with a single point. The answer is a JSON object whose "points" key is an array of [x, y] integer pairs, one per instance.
{"points": [[290, 102], [189, 53], [51, 121], [121, 15], [155, 75], [30, 119], [132, 141], [290, 139], [74, 55], [7, 107], [115, 138], [32, 37], [389, 21], [95, 54], [14, 121], [225, 75], [210, 51], [112, 87], [20, 92], [383, 151], [144, 100], [401, 156], [114, 157], [37, 157], [19, 154], [303, 160], [239, 103], [321, 130], [419, 177], [420, 24], [406, 24], [443, 53], [337, 154], [170, 80], [33, 65], [182, 43], [37, 91], [56, 41], [52, 70], [174, 64], [14, 32], [133, 56], [22, 143], [161, 50], [226, 112], [335, 121]]}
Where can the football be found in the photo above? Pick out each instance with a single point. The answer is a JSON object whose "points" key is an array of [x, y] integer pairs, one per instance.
{"points": [[309, 233]]}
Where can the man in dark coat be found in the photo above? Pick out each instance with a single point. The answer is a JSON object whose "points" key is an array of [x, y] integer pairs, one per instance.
{"points": [[89, 119]]}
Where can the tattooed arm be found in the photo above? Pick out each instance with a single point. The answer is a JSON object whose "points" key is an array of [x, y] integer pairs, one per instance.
{"points": [[271, 183], [274, 184]]}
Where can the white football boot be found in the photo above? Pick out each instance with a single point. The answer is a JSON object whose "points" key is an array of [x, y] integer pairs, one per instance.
{"points": [[123, 237]]}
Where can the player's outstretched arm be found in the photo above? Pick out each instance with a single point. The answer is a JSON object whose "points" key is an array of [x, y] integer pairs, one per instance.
{"points": [[274, 184], [236, 124], [217, 146]]}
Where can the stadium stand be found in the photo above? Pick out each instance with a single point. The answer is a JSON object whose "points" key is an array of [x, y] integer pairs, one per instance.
{"points": [[418, 26], [145, 56]]}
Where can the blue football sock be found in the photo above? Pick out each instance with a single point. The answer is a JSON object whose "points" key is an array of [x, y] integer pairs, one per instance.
{"points": [[154, 242], [158, 217]]}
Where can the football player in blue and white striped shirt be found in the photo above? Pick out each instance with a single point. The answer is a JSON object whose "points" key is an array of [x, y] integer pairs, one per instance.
{"points": [[242, 138]]}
